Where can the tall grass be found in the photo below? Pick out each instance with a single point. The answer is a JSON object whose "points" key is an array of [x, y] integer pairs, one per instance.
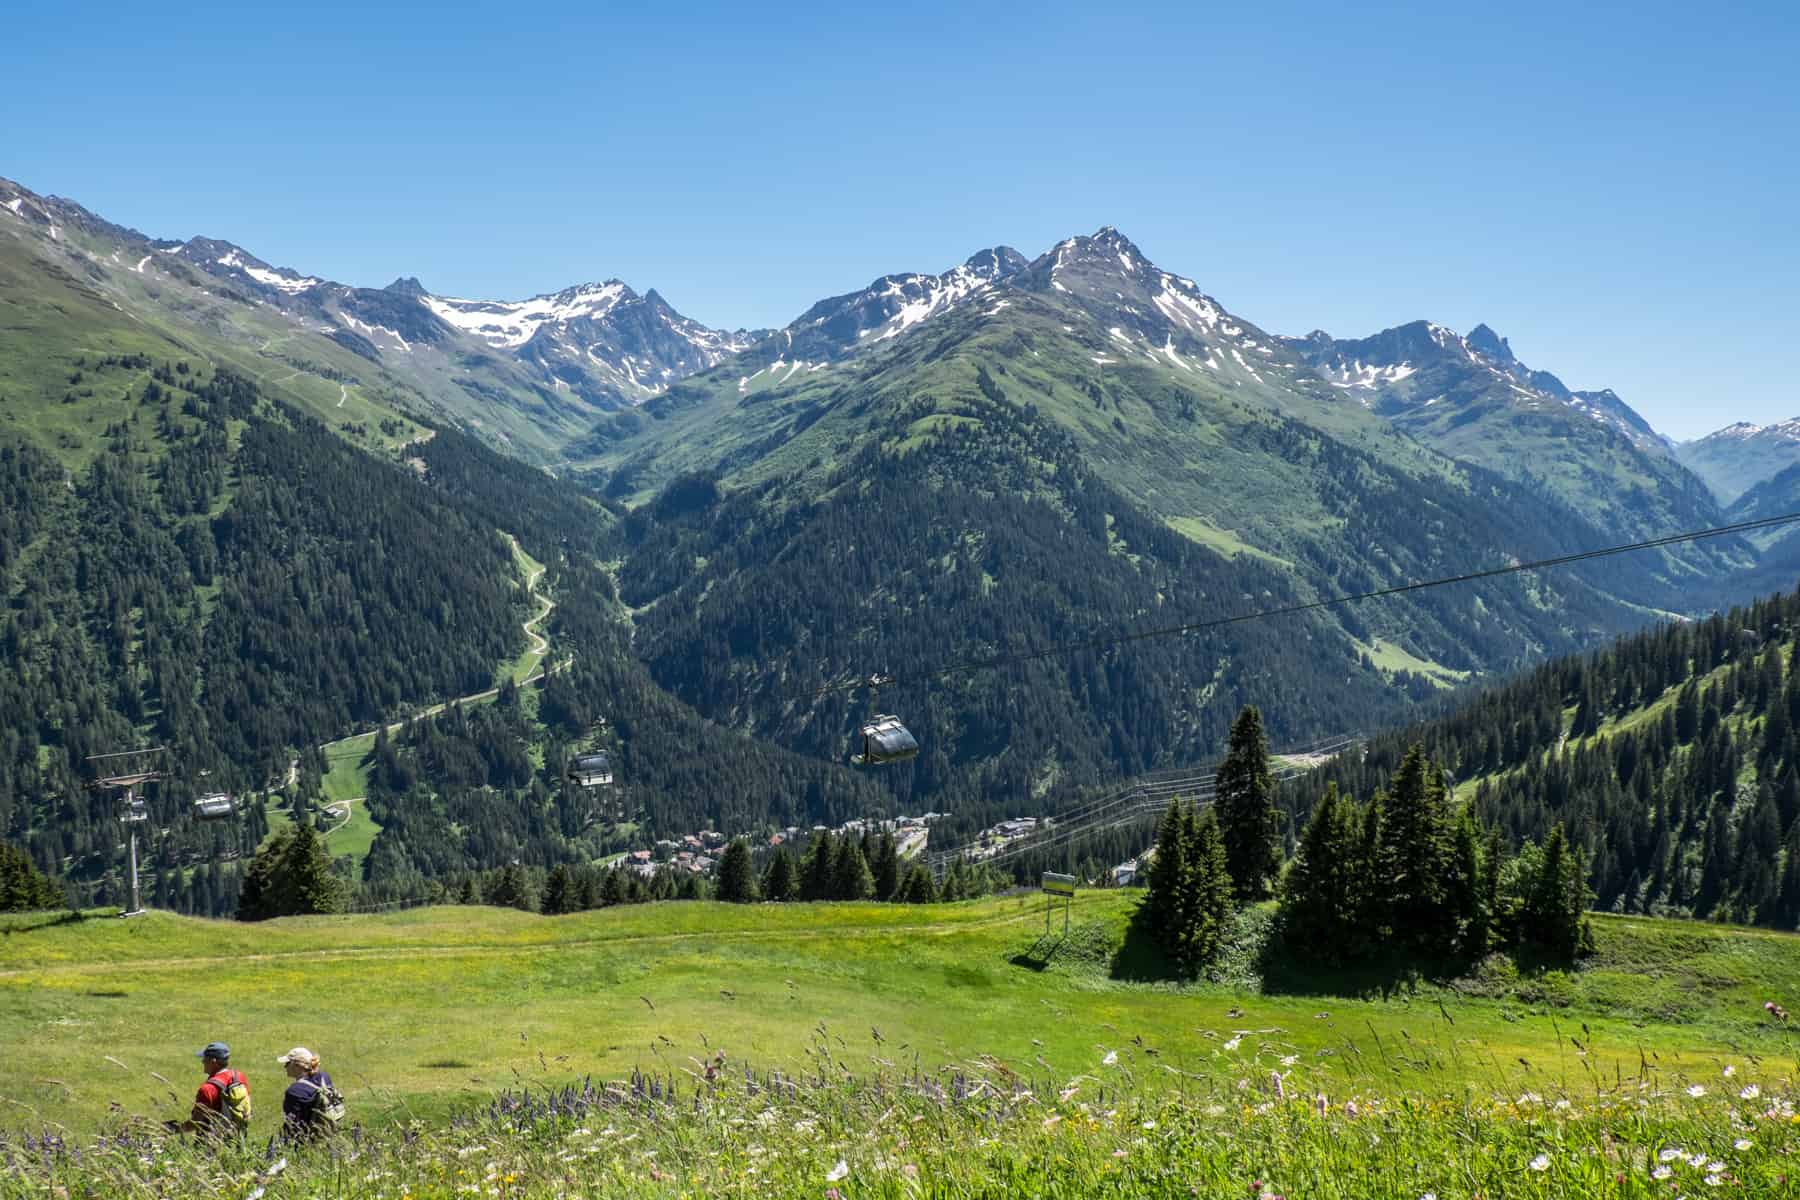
{"points": [[1254, 1118]]}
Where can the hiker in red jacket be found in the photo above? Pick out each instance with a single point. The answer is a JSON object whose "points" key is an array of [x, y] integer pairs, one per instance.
{"points": [[222, 1105]]}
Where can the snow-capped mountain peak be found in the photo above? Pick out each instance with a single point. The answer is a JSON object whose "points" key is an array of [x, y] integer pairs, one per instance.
{"points": [[512, 323]]}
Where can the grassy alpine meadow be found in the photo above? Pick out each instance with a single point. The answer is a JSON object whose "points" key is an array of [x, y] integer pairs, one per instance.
{"points": [[887, 1050]]}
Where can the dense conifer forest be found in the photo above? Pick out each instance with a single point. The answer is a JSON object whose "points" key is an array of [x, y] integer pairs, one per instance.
{"points": [[228, 579], [1670, 758]]}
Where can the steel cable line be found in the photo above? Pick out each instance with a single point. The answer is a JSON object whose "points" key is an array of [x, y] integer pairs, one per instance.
{"points": [[970, 666]]}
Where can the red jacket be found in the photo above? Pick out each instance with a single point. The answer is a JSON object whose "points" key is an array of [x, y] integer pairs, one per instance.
{"points": [[209, 1101]]}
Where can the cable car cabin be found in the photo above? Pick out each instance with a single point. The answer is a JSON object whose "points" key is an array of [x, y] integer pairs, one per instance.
{"points": [[216, 807], [138, 809], [590, 770], [885, 740]]}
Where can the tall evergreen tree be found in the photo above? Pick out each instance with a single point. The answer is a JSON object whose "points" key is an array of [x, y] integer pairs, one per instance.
{"points": [[291, 876], [851, 878], [1321, 894], [23, 888], [1412, 868], [1168, 875], [778, 883], [886, 867], [560, 892], [817, 874], [1210, 906], [737, 877], [1249, 821], [917, 887], [1555, 900]]}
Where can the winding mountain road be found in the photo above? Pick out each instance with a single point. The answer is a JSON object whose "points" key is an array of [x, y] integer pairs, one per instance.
{"points": [[540, 647]]}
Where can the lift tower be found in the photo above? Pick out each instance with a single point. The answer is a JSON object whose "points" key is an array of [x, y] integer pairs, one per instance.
{"points": [[128, 771]]}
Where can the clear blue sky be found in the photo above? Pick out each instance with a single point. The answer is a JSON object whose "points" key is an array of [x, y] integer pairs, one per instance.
{"points": [[1614, 188]]}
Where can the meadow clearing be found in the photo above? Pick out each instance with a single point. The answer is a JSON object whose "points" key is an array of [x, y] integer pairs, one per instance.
{"points": [[892, 1050]]}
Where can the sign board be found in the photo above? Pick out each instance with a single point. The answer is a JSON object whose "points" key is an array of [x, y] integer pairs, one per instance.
{"points": [[1059, 885]]}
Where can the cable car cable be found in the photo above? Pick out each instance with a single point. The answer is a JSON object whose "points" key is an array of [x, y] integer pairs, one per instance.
{"points": [[970, 666]]}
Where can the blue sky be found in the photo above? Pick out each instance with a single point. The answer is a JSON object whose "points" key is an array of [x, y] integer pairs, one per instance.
{"points": [[1613, 188]]}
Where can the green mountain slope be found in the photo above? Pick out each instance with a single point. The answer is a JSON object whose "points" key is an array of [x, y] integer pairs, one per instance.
{"points": [[1671, 756], [807, 521], [526, 376]]}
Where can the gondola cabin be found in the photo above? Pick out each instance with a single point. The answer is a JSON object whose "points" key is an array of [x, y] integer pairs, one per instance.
{"points": [[216, 807], [885, 740], [590, 770]]}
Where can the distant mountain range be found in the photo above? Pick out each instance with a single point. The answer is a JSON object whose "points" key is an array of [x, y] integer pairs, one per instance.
{"points": [[993, 461], [1735, 459], [527, 374]]}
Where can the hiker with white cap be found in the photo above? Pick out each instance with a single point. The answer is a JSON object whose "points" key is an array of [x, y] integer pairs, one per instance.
{"points": [[312, 1106]]}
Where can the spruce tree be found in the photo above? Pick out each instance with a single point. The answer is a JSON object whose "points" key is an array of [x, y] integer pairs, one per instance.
{"points": [[559, 892], [1321, 894], [1552, 912], [851, 878], [737, 876], [291, 876], [886, 867], [816, 874], [1412, 868], [1249, 821], [1787, 899], [1464, 885], [1209, 903], [778, 882], [917, 887], [1169, 870], [23, 888]]}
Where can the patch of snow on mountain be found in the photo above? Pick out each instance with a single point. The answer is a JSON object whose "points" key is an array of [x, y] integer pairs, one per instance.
{"points": [[15, 204], [1237, 354], [271, 279], [232, 260], [1103, 360], [372, 331], [1188, 311], [140, 265], [1359, 374], [512, 323], [1169, 349]]}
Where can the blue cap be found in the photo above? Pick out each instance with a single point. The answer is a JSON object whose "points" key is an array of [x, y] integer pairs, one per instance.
{"points": [[218, 1050]]}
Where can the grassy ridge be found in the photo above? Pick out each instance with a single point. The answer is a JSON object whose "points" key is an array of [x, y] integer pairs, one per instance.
{"points": [[422, 1011]]}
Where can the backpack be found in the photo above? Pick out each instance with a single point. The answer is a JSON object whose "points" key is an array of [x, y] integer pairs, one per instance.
{"points": [[234, 1098], [328, 1103]]}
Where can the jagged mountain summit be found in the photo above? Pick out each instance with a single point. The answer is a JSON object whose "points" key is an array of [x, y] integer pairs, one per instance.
{"points": [[528, 374], [840, 326], [1737, 458], [1410, 367], [1095, 308]]}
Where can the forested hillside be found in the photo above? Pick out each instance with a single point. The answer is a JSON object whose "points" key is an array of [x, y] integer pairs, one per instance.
{"points": [[1672, 758], [971, 525], [228, 579]]}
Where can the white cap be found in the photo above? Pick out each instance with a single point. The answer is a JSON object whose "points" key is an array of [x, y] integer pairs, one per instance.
{"points": [[299, 1054]]}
